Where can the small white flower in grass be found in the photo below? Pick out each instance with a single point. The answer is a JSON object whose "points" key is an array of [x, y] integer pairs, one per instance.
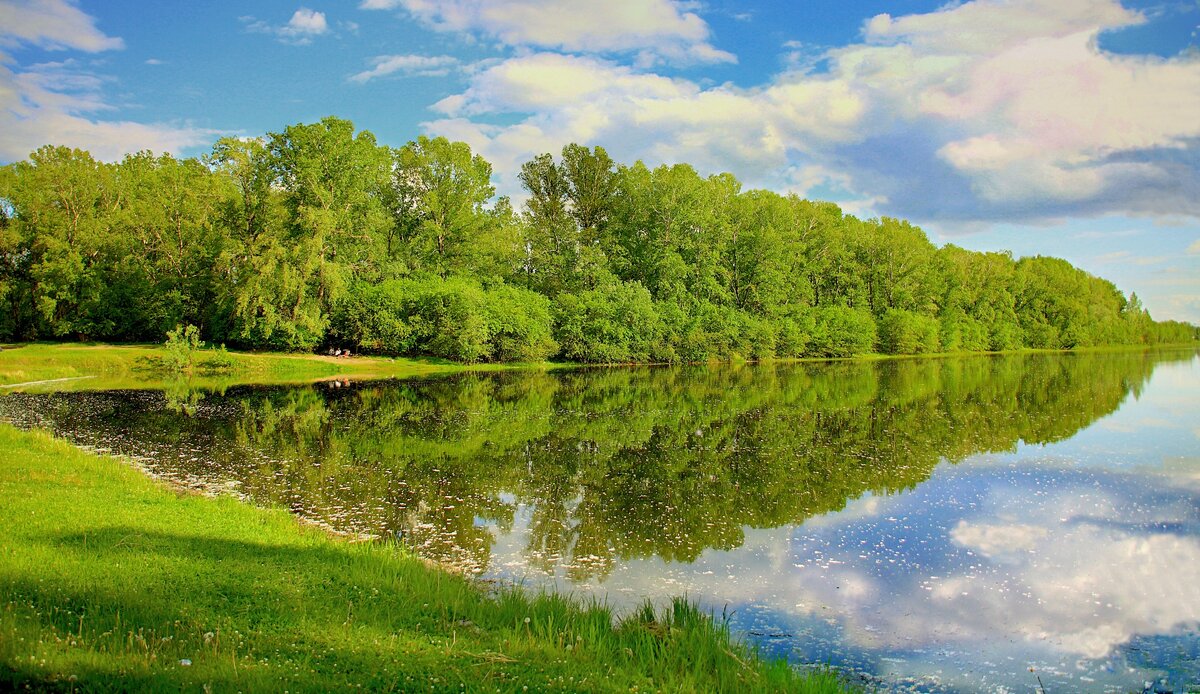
{"points": [[526, 620], [185, 662]]}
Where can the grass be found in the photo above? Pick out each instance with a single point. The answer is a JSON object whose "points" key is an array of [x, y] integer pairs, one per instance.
{"points": [[111, 581], [102, 367]]}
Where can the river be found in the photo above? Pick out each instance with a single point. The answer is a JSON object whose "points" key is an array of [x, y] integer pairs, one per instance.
{"points": [[983, 523]]}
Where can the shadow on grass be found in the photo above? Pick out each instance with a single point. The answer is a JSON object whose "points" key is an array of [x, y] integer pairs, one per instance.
{"points": [[317, 616], [302, 617]]}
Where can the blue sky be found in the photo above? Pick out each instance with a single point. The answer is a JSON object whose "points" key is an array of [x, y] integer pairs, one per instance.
{"points": [[1053, 127]]}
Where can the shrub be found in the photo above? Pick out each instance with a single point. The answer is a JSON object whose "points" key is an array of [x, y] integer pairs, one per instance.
{"points": [[218, 359], [609, 324], [841, 331], [180, 348], [455, 318], [905, 332]]}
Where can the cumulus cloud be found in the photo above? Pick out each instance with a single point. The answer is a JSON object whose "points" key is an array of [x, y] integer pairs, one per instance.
{"points": [[638, 114], [300, 30], [55, 102], [407, 65], [656, 30], [305, 22], [977, 112]]}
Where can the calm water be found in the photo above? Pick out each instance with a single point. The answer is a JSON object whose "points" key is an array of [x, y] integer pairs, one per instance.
{"points": [[969, 524]]}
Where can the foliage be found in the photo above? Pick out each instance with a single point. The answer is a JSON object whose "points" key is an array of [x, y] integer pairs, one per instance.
{"points": [[456, 318], [905, 332], [294, 242], [611, 324], [218, 359], [179, 351], [841, 331]]}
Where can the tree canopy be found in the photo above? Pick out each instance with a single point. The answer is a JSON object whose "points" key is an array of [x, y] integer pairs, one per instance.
{"points": [[319, 236]]}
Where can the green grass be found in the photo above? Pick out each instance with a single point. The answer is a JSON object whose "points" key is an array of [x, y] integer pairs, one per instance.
{"points": [[111, 581], [102, 367]]}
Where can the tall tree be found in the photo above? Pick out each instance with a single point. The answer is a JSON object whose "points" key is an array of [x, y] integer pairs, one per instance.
{"points": [[333, 180], [442, 189], [168, 237], [592, 184]]}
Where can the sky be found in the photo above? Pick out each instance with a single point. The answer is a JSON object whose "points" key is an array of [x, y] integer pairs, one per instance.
{"points": [[1043, 127]]}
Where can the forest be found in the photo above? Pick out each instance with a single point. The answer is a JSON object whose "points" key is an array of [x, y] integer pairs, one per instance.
{"points": [[319, 237]]}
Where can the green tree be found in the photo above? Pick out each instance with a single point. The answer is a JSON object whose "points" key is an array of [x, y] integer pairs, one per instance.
{"points": [[442, 188], [591, 187], [63, 201], [551, 241]]}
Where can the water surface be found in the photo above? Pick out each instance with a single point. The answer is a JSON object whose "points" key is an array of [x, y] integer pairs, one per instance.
{"points": [[974, 524]]}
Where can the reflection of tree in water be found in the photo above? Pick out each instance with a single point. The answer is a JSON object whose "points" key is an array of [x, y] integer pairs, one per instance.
{"points": [[622, 463]]}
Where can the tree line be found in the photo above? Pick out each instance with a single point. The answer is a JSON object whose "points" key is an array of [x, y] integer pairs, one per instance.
{"points": [[318, 237]]}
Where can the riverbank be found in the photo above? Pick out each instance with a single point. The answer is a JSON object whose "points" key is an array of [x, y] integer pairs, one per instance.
{"points": [[49, 366], [112, 581], [67, 366]]}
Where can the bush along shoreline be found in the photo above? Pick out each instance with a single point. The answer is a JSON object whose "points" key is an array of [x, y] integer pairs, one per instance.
{"points": [[318, 237], [114, 582]]}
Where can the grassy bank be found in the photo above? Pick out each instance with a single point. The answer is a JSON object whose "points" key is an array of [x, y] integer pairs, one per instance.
{"points": [[44, 366], [97, 366], [111, 581]]}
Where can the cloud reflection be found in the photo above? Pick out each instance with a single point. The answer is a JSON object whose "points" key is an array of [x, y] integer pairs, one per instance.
{"points": [[979, 570]]}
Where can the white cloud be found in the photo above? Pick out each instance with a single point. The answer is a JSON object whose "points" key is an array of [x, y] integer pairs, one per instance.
{"points": [[976, 112], [53, 24], [657, 30], [409, 65], [53, 103], [992, 539], [300, 30], [1194, 249], [636, 114], [990, 26], [305, 22]]}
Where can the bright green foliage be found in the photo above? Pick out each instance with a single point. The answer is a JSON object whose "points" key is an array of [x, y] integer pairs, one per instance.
{"points": [[456, 318], [166, 242], [566, 215], [179, 353], [333, 183], [591, 187], [290, 242], [610, 324], [441, 190], [63, 200], [551, 240], [905, 332], [840, 331]]}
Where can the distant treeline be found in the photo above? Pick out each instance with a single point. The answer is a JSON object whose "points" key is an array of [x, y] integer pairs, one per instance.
{"points": [[318, 237]]}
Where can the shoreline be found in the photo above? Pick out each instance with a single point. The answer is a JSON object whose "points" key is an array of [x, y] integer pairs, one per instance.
{"points": [[119, 366], [117, 580]]}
